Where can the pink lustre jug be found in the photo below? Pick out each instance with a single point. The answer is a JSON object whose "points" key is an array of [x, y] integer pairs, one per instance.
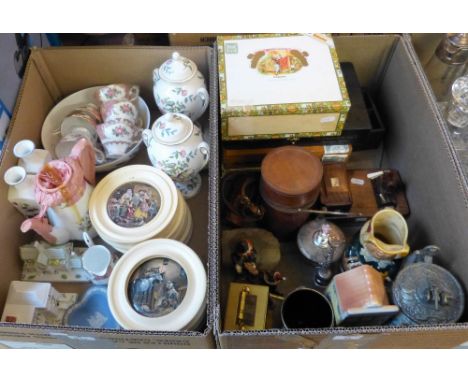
{"points": [[63, 189]]}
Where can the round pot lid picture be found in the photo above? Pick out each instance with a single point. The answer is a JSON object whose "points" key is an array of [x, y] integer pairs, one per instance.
{"points": [[133, 204], [158, 287]]}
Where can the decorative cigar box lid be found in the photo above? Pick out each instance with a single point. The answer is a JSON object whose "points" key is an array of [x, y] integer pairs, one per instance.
{"points": [[291, 176], [247, 307], [280, 75]]}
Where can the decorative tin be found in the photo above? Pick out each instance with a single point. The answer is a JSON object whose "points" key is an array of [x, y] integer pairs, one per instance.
{"points": [[280, 86], [358, 297], [159, 284], [427, 293]]}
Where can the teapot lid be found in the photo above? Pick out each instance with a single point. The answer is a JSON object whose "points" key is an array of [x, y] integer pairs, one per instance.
{"points": [[177, 69], [428, 293], [172, 128]]}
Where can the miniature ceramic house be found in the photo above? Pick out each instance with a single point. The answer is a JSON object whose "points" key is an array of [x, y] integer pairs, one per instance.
{"points": [[36, 303]]}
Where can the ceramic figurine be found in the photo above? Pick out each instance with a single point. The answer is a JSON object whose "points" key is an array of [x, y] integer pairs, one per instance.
{"points": [[381, 242], [21, 191], [175, 146], [273, 279], [244, 259], [425, 292], [63, 189], [180, 88], [30, 158], [323, 243]]}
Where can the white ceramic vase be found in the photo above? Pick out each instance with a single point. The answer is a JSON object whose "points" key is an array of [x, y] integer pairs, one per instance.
{"points": [[30, 158], [21, 191], [175, 146], [180, 88]]}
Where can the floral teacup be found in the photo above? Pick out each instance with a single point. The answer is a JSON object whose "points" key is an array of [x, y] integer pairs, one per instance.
{"points": [[112, 110], [116, 137], [117, 92]]}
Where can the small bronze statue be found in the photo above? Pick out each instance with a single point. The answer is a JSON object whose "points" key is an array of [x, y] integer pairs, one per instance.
{"points": [[244, 259]]}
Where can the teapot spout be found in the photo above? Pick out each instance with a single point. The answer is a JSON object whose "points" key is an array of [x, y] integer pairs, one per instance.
{"points": [[41, 226]]}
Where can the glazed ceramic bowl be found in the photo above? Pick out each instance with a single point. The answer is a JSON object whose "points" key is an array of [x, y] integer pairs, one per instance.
{"points": [[158, 285], [50, 134]]}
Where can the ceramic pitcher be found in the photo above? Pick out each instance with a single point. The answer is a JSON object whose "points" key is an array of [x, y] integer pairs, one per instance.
{"points": [[63, 189], [175, 146], [179, 87], [380, 243]]}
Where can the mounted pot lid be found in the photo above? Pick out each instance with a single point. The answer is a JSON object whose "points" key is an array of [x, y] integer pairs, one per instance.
{"points": [[133, 204], [428, 294], [177, 69], [172, 129], [158, 285], [321, 241]]}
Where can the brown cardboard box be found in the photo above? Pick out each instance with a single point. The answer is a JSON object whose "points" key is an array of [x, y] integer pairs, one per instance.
{"points": [[52, 74], [193, 39], [416, 144]]}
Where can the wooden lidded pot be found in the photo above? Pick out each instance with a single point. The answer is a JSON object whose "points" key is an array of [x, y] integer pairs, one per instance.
{"points": [[290, 178]]}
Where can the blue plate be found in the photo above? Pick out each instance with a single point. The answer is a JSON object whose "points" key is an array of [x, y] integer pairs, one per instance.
{"points": [[92, 311]]}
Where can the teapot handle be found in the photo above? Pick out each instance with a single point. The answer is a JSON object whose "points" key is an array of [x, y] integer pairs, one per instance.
{"points": [[147, 137], [156, 76], [205, 98], [205, 150]]}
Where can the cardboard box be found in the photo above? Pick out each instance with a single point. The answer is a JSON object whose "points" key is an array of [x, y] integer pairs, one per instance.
{"points": [[416, 144], [52, 74], [193, 39], [276, 86]]}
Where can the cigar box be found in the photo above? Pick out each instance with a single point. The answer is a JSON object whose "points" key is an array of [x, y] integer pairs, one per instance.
{"points": [[280, 86]]}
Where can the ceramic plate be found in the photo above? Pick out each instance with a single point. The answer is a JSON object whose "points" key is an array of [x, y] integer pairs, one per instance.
{"points": [[50, 134], [158, 285], [92, 311], [133, 204]]}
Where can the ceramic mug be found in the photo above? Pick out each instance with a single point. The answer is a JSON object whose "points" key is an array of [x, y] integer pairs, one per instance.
{"points": [[306, 308], [112, 110], [98, 261], [117, 92]]}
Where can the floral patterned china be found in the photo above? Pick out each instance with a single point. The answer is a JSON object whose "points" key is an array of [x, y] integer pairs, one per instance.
{"points": [[175, 145], [51, 136], [180, 88]]}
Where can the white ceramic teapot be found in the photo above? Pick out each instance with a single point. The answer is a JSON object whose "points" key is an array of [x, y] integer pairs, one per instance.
{"points": [[175, 146], [180, 88]]}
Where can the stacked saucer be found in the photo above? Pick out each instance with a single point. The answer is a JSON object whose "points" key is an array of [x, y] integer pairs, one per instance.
{"points": [[137, 203]]}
